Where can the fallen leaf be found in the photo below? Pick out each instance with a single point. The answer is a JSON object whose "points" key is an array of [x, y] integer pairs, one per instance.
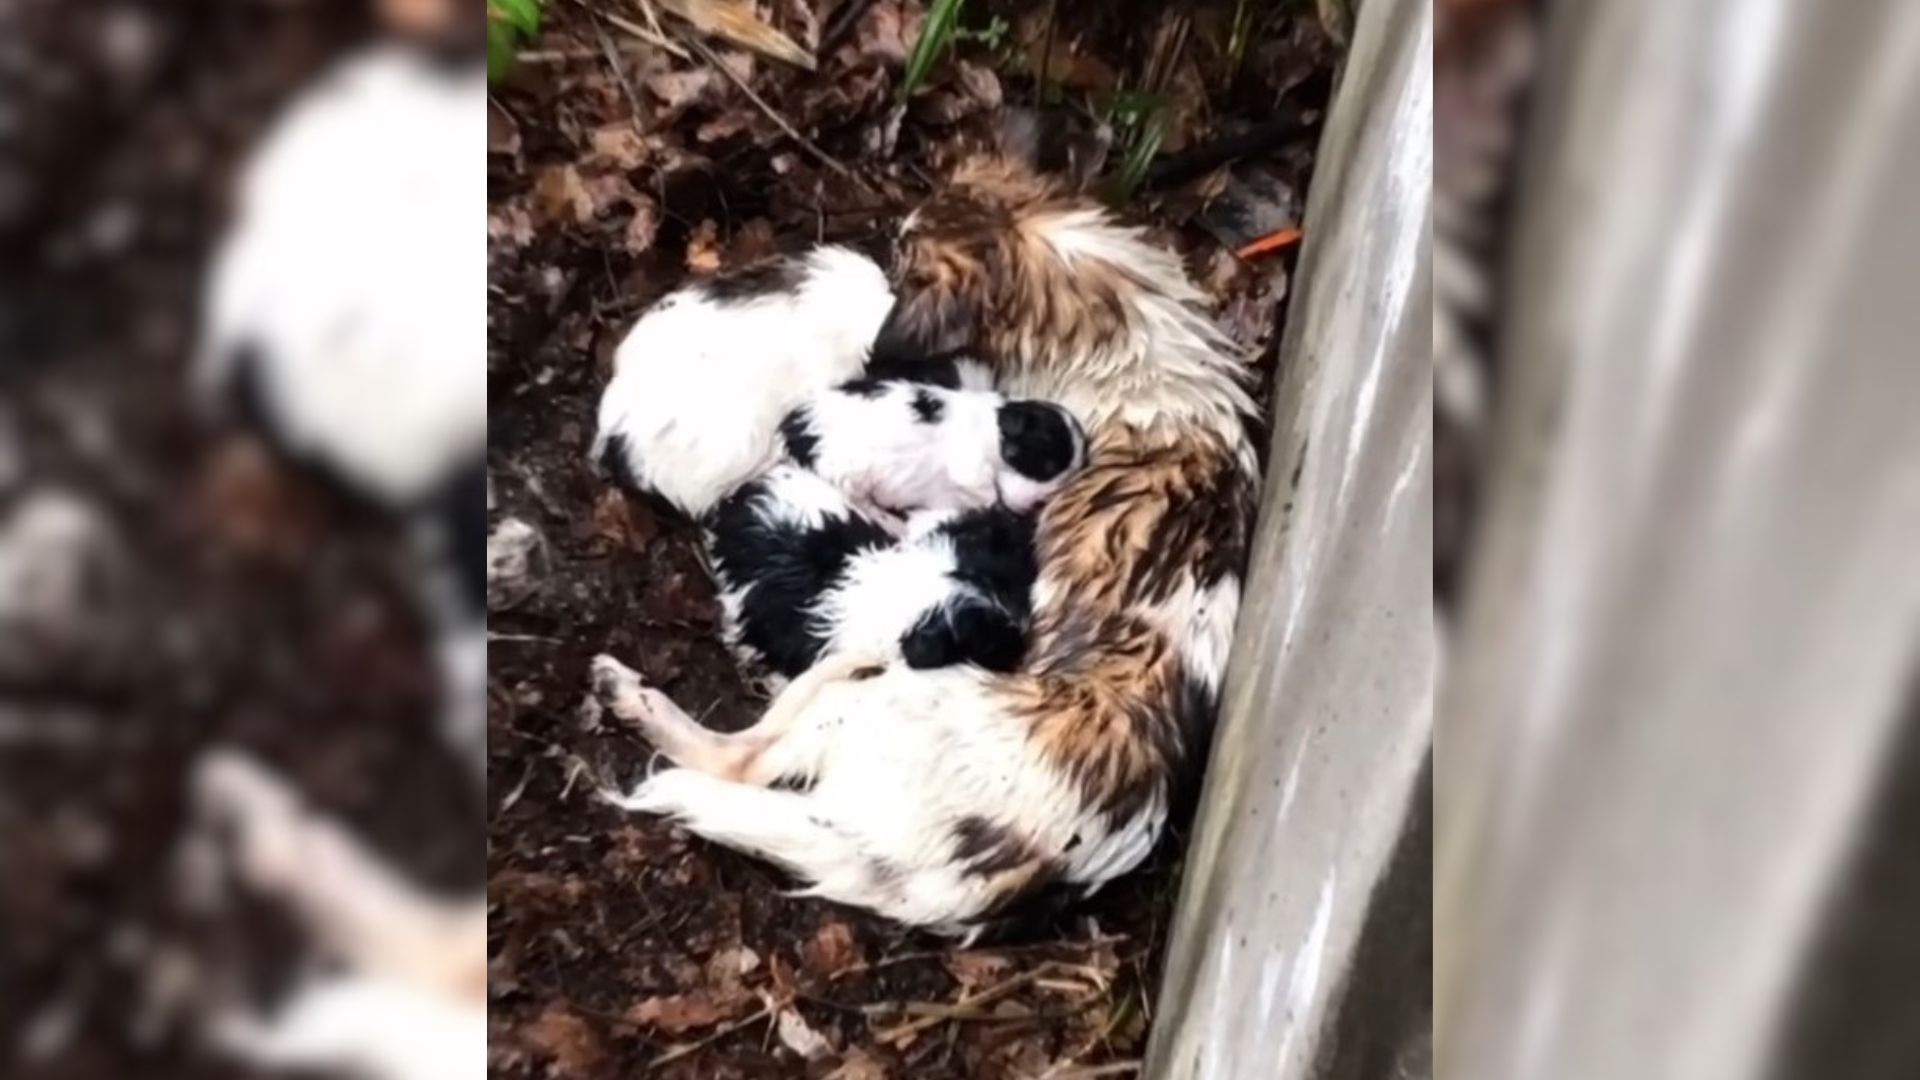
{"points": [[560, 195], [644, 227], [973, 970], [703, 248], [618, 144], [725, 126], [677, 1014], [727, 969], [680, 89], [567, 1041], [737, 22], [798, 1037], [618, 523], [503, 131], [831, 950], [858, 1065]]}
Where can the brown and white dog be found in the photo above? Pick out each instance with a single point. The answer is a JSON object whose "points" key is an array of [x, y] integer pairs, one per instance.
{"points": [[938, 797]]}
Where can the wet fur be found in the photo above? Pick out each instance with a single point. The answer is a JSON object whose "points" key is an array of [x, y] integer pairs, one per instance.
{"points": [[942, 798]]}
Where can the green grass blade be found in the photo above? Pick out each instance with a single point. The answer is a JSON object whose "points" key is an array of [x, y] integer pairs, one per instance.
{"points": [[935, 37]]}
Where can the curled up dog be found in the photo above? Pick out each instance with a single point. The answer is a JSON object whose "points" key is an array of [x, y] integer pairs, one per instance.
{"points": [[942, 796]]}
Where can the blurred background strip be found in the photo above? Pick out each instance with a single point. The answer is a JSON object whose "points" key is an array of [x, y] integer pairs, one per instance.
{"points": [[1673, 753], [1301, 936]]}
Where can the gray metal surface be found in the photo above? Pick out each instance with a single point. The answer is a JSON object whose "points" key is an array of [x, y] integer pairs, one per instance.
{"points": [[1315, 788], [1694, 604]]}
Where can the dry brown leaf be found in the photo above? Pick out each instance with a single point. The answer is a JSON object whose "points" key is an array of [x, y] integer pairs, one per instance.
{"points": [[677, 1014], [831, 950], [616, 522], [679, 89], [725, 126], [1070, 67], [974, 970], [737, 22], [799, 1037], [644, 227], [703, 248], [619, 144], [858, 1065], [559, 194], [882, 34], [510, 226], [503, 131], [567, 1041]]}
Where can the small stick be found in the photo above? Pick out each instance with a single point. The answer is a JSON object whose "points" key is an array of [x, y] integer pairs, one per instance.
{"points": [[651, 37], [1091, 1072], [793, 133], [966, 1005], [841, 28], [719, 1033], [620, 76]]}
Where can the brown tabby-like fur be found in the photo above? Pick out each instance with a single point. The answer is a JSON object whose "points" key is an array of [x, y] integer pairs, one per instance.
{"points": [[1113, 700]]}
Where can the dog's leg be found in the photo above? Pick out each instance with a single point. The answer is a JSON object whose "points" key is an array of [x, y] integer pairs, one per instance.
{"points": [[355, 906], [749, 756], [780, 826], [360, 1027]]}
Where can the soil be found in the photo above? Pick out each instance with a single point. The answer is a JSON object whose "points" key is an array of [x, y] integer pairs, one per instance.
{"points": [[620, 946], [235, 601]]}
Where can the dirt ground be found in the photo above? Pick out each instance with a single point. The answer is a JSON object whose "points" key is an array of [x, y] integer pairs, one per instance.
{"points": [[621, 947], [231, 601]]}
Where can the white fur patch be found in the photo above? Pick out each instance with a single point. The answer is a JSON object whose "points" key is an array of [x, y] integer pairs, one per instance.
{"points": [[354, 275], [881, 450], [700, 386]]}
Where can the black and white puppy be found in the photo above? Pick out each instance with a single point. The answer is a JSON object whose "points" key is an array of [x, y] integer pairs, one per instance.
{"points": [[902, 515], [804, 572]]}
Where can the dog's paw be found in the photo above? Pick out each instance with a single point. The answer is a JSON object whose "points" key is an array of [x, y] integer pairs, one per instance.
{"points": [[661, 793]]}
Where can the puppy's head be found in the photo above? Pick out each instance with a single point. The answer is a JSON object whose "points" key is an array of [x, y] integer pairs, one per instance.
{"points": [[1041, 445]]}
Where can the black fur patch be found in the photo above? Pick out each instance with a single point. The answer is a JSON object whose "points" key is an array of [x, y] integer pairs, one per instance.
{"points": [[993, 552], [1036, 439], [782, 276], [863, 388], [1184, 743], [796, 432], [988, 849], [787, 568], [927, 407], [461, 511], [933, 371], [798, 784], [967, 630]]}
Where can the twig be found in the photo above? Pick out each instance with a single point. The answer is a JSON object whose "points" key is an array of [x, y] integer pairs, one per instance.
{"points": [[652, 37], [620, 76], [1092, 1071], [793, 133], [491, 636], [966, 1005], [844, 21], [721, 1032]]}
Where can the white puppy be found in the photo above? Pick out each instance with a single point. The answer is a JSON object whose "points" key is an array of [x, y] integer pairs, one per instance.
{"points": [[702, 381]]}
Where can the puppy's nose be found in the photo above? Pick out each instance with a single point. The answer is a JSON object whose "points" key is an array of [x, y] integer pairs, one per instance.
{"points": [[1037, 439]]}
